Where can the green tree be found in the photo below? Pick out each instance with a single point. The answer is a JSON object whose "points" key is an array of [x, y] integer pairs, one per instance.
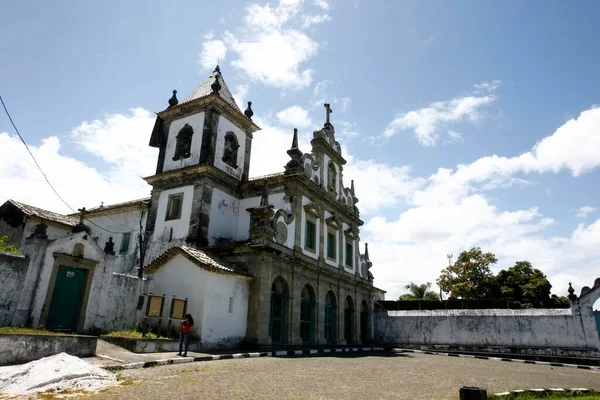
{"points": [[7, 248], [524, 284], [419, 292], [470, 277]]}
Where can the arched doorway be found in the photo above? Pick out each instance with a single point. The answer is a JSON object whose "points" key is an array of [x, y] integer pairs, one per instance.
{"points": [[330, 317], [277, 321], [364, 322], [307, 315], [349, 321]]}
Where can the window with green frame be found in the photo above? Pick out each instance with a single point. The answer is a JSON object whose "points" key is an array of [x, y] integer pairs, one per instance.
{"points": [[125, 242], [309, 240], [349, 254], [331, 245]]}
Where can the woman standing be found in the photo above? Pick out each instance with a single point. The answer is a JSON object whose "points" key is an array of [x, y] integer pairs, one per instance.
{"points": [[186, 327]]}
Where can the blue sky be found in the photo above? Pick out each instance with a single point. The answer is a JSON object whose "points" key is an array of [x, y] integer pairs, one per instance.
{"points": [[415, 87]]}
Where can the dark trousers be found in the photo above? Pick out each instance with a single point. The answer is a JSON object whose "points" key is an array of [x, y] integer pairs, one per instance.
{"points": [[183, 340]]}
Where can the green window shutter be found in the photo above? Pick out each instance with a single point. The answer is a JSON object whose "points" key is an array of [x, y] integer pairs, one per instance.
{"points": [[310, 235], [125, 242], [349, 254], [331, 245]]}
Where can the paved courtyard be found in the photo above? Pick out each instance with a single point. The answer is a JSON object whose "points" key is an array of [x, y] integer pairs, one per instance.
{"points": [[378, 376]]}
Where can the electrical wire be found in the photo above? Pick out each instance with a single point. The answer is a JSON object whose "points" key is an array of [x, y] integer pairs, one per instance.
{"points": [[46, 177]]}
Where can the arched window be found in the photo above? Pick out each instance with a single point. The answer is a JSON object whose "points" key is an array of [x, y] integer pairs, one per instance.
{"points": [[230, 149], [183, 148], [277, 321], [307, 315], [330, 318], [331, 177]]}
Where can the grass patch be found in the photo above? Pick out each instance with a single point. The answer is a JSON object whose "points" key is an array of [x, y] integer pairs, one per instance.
{"points": [[133, 334], [21, 330], [559, 395]]}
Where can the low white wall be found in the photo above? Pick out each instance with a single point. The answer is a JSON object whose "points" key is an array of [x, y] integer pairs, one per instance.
{"points": [[548, 328]]}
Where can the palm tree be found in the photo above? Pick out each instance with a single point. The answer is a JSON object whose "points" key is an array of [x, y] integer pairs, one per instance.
{"points": [[419, 292]]}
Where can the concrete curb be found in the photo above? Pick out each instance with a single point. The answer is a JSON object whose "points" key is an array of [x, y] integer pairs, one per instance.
{"points": [[279, 353], [552, 364], [544, 391]]}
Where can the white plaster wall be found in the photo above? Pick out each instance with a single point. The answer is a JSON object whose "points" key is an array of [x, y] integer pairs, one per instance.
{"points": [[180, 226], [226, 126], [128, 221], [63, 245], [219, 326], [519, 328], [54, 231], [182, 278], [196, 121], [224, 214], [208, 296]]}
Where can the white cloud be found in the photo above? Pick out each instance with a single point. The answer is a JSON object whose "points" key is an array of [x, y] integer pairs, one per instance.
{"points": [[584, 211], [429, 40], [120, 141], [453, 137], [345, 103], [294, 116], [213, 52], [323, 4], [449, 213], [426, 122], [240, 94], [272, 46]]}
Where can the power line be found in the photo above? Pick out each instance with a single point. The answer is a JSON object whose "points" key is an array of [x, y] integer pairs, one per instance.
{"points": [[46, 177]]}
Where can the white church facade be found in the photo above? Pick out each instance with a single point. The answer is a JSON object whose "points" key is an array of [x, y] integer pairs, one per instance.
{"points": [[273, 260]]}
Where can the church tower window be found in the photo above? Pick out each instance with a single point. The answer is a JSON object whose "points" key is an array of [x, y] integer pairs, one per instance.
{"points": [[183, 146], [174, 207], [230, 150]]}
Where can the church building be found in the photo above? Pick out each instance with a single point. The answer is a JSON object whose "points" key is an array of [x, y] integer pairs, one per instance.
{"points": [[272, 260]]}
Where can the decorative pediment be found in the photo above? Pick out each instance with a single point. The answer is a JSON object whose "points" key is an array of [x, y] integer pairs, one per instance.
{"points": [[334, 222], [313, 209], [351, 233]]}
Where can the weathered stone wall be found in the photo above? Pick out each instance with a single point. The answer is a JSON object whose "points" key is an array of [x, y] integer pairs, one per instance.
{"points": [[540, 328], [13, 269], [18, 349]]}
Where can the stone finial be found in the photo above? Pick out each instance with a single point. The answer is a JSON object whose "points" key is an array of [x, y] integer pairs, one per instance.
{"points": [[264, 200], [367, 251], [295, 139], [216, 86], [109, 247], [173, 100], [249, 113], [217, 69], [82, 212], [352, 187], [80, 227], [571, 296]]}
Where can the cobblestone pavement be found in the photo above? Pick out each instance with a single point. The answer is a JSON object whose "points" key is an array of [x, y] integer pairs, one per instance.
{"points": [[377, 376]]}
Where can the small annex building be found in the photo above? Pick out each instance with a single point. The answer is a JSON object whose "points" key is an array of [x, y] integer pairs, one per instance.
{"points": [[267, 260]]}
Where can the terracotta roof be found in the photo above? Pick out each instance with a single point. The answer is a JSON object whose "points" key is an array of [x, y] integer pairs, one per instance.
{"points": [[115, 206], [45, 214], [256, 178], [205, 89], [202, 259]]}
